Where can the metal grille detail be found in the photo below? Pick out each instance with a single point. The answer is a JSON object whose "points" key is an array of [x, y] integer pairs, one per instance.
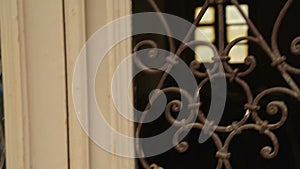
{"points": [[252, 108]]}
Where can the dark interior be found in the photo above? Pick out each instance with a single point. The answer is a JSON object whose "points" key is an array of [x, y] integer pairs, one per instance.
{"points": [[245, 149]]}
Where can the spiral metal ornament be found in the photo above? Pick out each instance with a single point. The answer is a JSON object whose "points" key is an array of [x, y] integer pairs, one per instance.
{"points": [[253, 106], [295, 46]]}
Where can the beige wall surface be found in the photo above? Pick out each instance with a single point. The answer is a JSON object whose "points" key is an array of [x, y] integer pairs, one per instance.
{"points": [[34, 84], [40, 41], [97, 14]]}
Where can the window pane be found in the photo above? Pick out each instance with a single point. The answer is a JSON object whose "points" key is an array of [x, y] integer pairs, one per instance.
{"points": [[208, 17], [233, 16], [238, 53], [236, 31], [204, 54], [205, 33]]}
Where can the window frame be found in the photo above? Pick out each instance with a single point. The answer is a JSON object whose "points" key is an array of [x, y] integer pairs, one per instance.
{"points": [[216, 27]]}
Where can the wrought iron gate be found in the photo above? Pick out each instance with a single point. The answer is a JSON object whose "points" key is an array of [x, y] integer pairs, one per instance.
{"points": [[255, 107]]}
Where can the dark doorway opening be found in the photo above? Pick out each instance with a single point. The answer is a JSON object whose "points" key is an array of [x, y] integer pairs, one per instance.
{"points": [[245, 149]]}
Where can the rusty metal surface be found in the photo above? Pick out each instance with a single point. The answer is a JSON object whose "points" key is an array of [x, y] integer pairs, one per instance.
{"points": [[252, 108]]}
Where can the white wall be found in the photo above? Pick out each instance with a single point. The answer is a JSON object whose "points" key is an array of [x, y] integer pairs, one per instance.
{"points": [[40, 43]]}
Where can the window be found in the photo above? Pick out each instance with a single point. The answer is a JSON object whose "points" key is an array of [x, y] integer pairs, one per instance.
{"points": [[235, 26]]}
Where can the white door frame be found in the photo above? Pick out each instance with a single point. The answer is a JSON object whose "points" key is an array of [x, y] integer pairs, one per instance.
{"points": [[84, 153], [40, 43], [34, 79]]}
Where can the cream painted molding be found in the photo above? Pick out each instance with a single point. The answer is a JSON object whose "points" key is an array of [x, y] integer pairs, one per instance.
{"points": [[121, 8], [75, 39], [84, 153], [15, 84], [34, 84]]}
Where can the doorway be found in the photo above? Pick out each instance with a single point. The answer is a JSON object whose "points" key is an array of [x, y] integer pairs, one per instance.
{"points": [[246, 148]]}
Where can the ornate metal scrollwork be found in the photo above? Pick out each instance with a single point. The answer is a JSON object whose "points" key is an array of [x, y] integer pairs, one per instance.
{"points": [[252, 107]]}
